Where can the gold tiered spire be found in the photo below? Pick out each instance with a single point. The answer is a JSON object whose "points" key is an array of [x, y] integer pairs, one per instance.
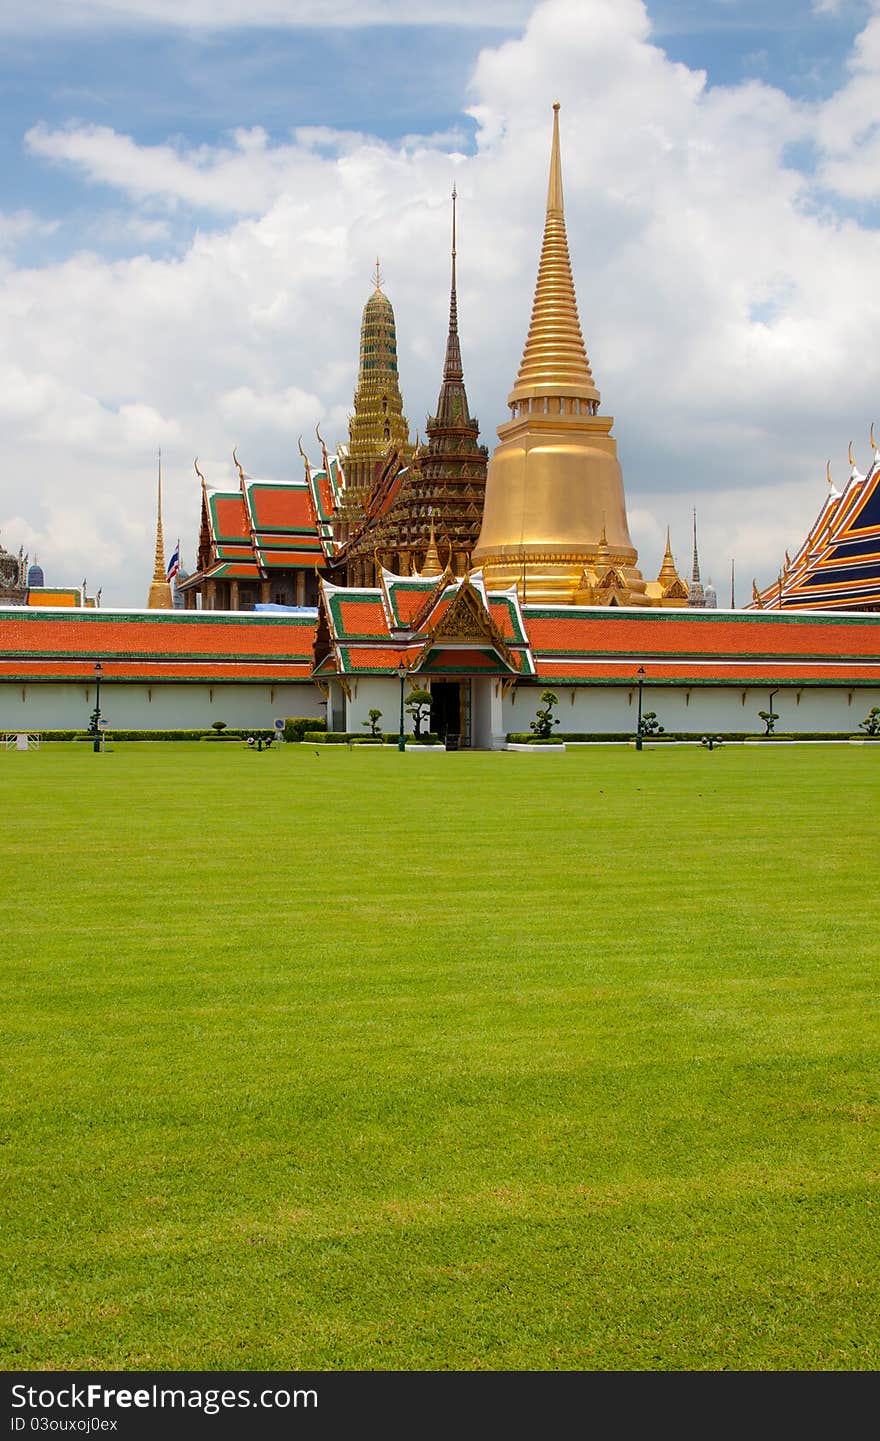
{"points": [[431, 564], [555, 511], [555, 358], [160, 589], [378, 423]]}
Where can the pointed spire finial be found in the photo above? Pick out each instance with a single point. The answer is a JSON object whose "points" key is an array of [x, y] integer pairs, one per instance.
{"points": [[199, 473], [554, 361], [452, 369], [159, 569], [378, 275], [431, 565], [555, 204]]}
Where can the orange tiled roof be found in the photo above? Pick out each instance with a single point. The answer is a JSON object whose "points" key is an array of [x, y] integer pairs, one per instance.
{"points": [[221, 644], [281, 507], [746, 634]]}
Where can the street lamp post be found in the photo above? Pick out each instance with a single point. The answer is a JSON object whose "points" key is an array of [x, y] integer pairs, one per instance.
{"points": [[640, 673], [99, 671], [401, 672]]}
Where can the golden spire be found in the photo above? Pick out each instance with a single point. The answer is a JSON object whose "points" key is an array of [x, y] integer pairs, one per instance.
{"points": [[159, 571], [668, 573], [160, 590], [378, 275], [555, 359], [431, 565], [554, 490]]}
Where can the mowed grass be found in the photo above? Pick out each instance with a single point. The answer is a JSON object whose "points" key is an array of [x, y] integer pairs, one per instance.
{"points": [[334, 1059]]}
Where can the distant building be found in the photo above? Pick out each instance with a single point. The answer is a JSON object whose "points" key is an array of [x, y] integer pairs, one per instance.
{"points": [[13, 577]]}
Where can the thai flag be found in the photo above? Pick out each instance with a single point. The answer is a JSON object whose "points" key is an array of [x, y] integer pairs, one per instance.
{"points": [[174, 563]]}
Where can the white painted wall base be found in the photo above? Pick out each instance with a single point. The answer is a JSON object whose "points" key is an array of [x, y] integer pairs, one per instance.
{"points": [[67, 705]]}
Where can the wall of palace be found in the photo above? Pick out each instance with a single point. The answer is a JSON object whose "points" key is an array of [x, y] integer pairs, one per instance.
{"points": [[67, 705]]}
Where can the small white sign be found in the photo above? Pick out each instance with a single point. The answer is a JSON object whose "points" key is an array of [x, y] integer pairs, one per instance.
{"points": [[103, 724]]}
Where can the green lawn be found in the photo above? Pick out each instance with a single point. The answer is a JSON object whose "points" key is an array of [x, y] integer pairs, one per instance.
{"points": [[356, 1060]]}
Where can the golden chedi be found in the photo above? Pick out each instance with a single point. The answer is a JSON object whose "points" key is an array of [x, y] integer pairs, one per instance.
{"points": [[554, 521]]}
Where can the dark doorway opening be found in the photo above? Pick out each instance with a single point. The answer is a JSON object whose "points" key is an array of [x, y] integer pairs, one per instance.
{"points": [[445, 708]]}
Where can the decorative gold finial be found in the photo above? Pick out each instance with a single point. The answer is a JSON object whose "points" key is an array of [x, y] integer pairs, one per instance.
{"points": [[431, 564], [828, 473], [159, 568], [555, 360], [160, 590], [308, 468], [873, 441], [325, 457], [378, 275], [238, 465], [850, 454], [554, 188], [199, 473]]}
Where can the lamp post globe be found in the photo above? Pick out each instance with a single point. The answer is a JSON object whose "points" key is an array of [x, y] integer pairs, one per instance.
{"points": [[401, 673]]}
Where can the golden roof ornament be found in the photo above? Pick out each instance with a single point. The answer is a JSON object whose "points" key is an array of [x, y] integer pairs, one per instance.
{"points": [[431, 565], [160, 590]]}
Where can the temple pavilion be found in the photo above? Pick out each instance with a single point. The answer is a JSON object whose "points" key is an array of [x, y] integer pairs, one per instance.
{"points": [[837, 567]]}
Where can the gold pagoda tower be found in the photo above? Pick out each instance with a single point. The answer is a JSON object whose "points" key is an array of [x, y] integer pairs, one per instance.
{"points": [[160, 589], [378, 425], [554, 521], [437, 506]]}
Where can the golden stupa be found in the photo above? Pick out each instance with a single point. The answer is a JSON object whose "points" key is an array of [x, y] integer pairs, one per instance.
{"points": [[554, 521]]}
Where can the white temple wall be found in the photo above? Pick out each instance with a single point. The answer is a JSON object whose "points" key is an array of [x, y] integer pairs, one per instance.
{"points": [[377, 693], [720, 709], [487, 714], [67, 705]]}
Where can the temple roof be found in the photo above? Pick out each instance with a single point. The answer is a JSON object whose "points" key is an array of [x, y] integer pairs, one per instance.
{"points": [[156, 645], [439, 625], [263, 527], [456, 629], [837, 566]]}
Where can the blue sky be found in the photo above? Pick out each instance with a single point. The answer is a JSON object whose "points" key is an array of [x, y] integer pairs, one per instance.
{"points": [[161, 168]]}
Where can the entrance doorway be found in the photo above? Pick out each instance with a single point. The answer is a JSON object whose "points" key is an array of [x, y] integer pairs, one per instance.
{"points": [[450, 709]]}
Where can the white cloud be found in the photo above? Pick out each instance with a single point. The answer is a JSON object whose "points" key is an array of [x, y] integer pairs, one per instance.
{"points": [[729, 318], [17, 226]]}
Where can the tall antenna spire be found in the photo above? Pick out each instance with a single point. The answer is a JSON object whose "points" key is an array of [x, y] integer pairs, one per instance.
{"points": [[555, 360], [452, 369], [732, 586], [696, 594]]}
